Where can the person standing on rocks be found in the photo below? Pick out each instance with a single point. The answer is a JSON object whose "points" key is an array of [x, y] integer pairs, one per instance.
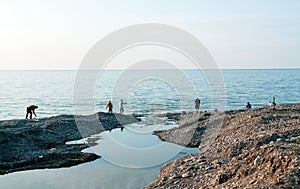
{"points": [[197, 104], [31, 110], [248, 105], [109, 106], [121, 106], [274, 103]]}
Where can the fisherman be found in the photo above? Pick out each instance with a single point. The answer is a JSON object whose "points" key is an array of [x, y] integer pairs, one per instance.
{"points": [[31, 110], [109, 106], [121, 106], [197, 104], [274, 103]]}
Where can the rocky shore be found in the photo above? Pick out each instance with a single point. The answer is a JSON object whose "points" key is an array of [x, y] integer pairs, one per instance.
{"points": [[255, 148], [36, 144]]}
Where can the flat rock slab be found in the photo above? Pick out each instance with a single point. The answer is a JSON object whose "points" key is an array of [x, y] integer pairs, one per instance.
{"points": [[32, 144]]}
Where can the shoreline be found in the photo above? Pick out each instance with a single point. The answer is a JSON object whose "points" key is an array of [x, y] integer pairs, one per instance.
{"points": [[227, 158], [40, 144], [247, 148]]}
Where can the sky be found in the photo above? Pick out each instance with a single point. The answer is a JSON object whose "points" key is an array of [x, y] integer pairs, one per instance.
{"points": [[57, 34]]}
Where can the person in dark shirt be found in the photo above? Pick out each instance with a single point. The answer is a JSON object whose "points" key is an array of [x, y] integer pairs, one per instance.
{"points": [[197, 104], [248, 105], [274, 103], [109, 106], [31, 110]]}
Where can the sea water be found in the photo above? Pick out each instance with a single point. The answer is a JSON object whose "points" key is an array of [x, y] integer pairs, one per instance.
{"points": [[144, 91]]}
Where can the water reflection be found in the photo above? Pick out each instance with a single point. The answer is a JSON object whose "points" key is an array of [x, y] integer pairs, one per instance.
{"points": [[96, 174], [135, 146]]}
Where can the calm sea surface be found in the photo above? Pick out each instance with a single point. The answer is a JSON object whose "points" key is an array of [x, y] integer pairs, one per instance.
{"points": [[131, 158], [144, 91]]}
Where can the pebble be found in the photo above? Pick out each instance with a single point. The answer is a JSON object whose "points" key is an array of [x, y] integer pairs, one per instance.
{"points": [[257, 160], [263, 147], [279, 140], [51, 150], [175, 176], [164, 179], [177, 182], [209, 168], [186, 175], [201, 160], [252, 181]]}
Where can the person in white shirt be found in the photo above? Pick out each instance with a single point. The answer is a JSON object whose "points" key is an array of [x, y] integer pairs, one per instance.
{"points": [[121, 106]]}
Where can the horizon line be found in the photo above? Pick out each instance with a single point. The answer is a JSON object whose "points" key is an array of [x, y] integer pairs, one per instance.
{"points": [[289, 68]]}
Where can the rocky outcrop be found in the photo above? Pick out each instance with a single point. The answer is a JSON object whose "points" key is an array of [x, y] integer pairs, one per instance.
{"points": [[32, 144], [255, 148]]}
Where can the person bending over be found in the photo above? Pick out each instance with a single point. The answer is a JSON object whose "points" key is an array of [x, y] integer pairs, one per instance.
{"points": [[31, 110]]}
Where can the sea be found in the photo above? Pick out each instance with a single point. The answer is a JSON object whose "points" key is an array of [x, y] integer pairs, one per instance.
{"points": [[132, 158], [144, 91]]}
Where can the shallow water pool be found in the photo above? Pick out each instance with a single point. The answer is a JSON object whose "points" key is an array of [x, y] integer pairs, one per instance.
{"points": [[131, 158]]}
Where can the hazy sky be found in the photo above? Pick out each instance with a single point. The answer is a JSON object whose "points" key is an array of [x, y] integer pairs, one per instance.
{"points": [[56, 34]]}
